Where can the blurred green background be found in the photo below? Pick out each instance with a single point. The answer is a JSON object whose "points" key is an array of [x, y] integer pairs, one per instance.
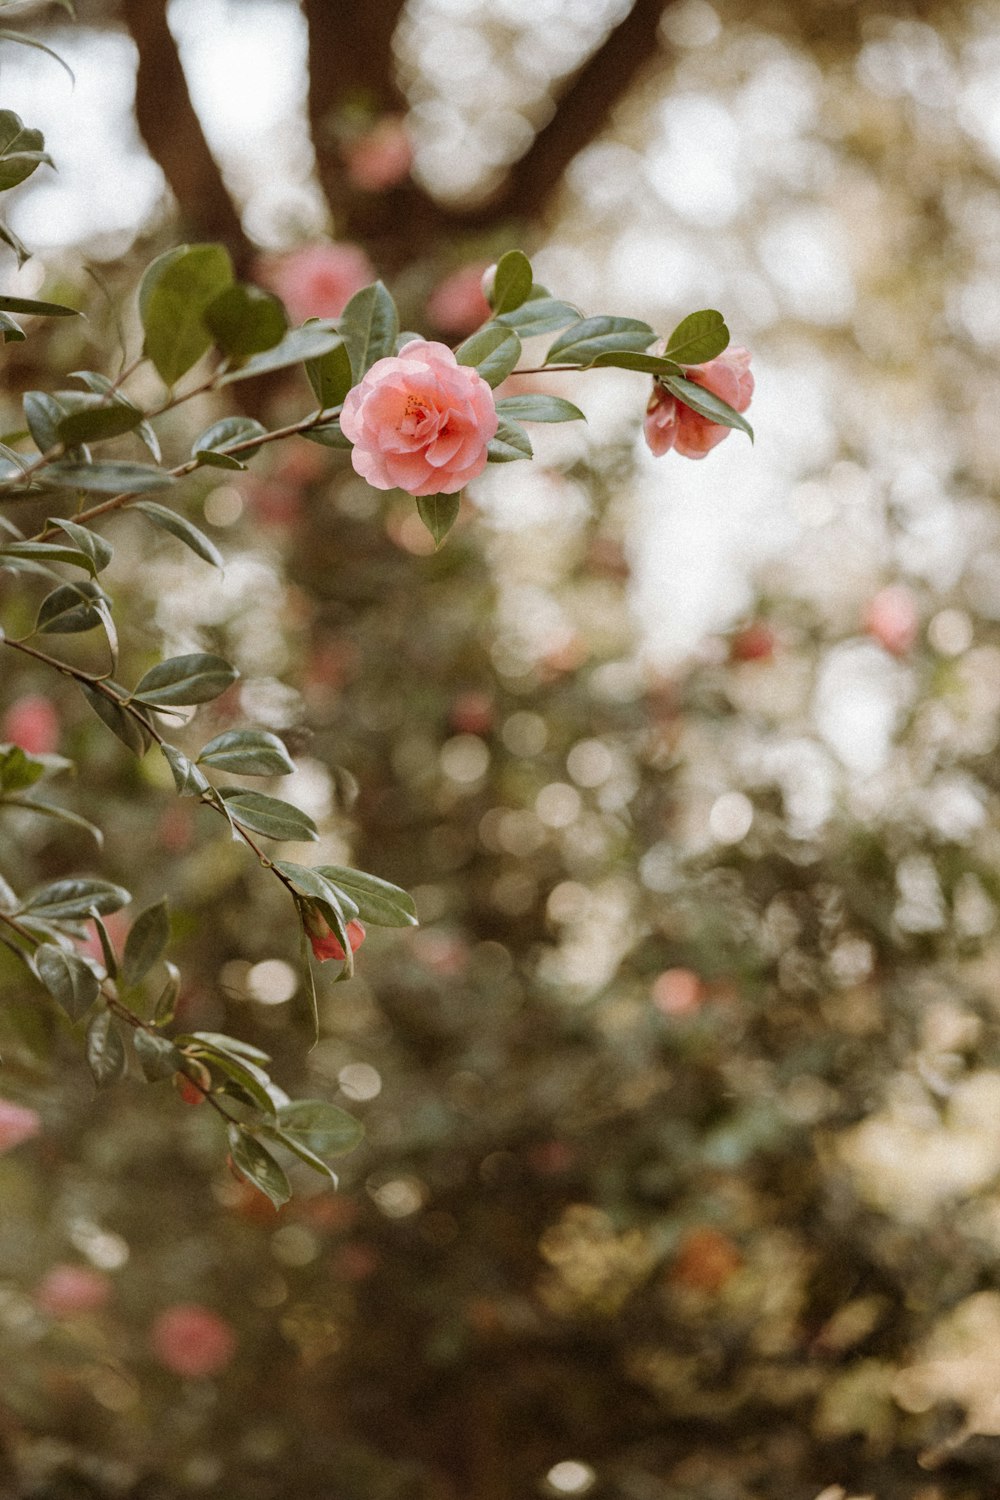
{"points": [[683, 1104]]}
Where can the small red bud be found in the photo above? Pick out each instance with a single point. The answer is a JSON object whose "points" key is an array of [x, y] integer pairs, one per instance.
{"points": [[324, 943]]}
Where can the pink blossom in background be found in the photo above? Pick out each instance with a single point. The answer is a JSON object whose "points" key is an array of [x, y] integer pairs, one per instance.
{"points": [[191, 1340], [67, 1290], [678, 992], [457, 304], [317, 281], [420, 421], [892, 618], [32, 723], [17, 1123], [380, 157], [671, 424]]}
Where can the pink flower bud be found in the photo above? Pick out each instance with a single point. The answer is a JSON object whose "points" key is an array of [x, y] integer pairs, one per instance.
{"points": [[754, 642], [420, 421], [192, 1341], [67, 1290], [32, 723], [671, 424], [892, 619], [324, 943], [17, 1123], [317, 281]]}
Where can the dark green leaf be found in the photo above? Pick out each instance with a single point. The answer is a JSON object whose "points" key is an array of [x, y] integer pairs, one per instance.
{"points": [[243, 1078], [10, 331], [328, 435], [42, 413], [12, 466], [107, 946], [369, 325], [512, 282], [31, 41], [295, 1146], [182, 529], [511, 442], [39, 309], [61, 815], [631, 359], [174, 294], [229, 432], [697, 338], [67, 978], [100, 384], [163, 1011], [108, 478], [585, 340], [158, 1057], [69, 900], [378, 901], [258, 1166], [208, 459], [18, 769], [439, 513], [245, 320], [17, 140], [541, 315], [187, 778], [181, 680], [324, 1128], [70, 609], [494, 351], [23, 254], [539, 409], [91, 418], [331, 377], [148, 936], [105, 1050], [706, 404], [95, 547], [268, 815], [250, 752], [120, 721], [234, 1046], [298, 346]]}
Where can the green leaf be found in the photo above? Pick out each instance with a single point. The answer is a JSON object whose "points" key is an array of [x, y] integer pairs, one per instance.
{"points": [[439, 513], [182, 680], [511, 442], [46, 552], [243, 1077], [324, 1128], [174, 294], [269, 816], [298, 346], [158, 1057], [232, 1045], [245, 320], [42, 413], [541, 315], [250, 752], [132, 733], [10, 332], [72, 900], [337, 908], [102, 386], [328, 435], [369, 325], [91, 418], [163, 1011], [105, 1050], [182, 529], [539, 409], [585, 340], [208, 459], [30, 41], [70, 609], [108, 478], [67, 978], [706, 404], [258, 1166], [187, 778], [631, 359], [512, 282], [61, 815], [38, 309], [23, 254], [148, 936], [493, 351], [22, 149], [107, 946], [331, 377], [294, 1145], [378, 901], [18, 769], [12, 466], [697, 338], [86, 541]]}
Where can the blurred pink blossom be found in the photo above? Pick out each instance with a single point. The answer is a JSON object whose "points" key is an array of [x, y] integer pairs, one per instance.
{"points": [[671, 424], [319, 280], [457, 304], [66, 1290], [191, 1340], [892, 618], [17, 1123], [420, 421], [381, 157], [32, 723]]}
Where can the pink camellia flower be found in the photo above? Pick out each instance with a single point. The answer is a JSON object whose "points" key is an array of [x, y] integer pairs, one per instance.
{"points": [[32, 723], [67, 1290], [671, 424], [317, 281], [458, 304], [17, 1123], [191, 1340], [324, 944], [892, 618], [420, 421], [380, 157]]}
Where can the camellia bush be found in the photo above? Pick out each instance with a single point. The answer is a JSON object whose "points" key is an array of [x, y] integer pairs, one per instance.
{"points": [[415, 416]]}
